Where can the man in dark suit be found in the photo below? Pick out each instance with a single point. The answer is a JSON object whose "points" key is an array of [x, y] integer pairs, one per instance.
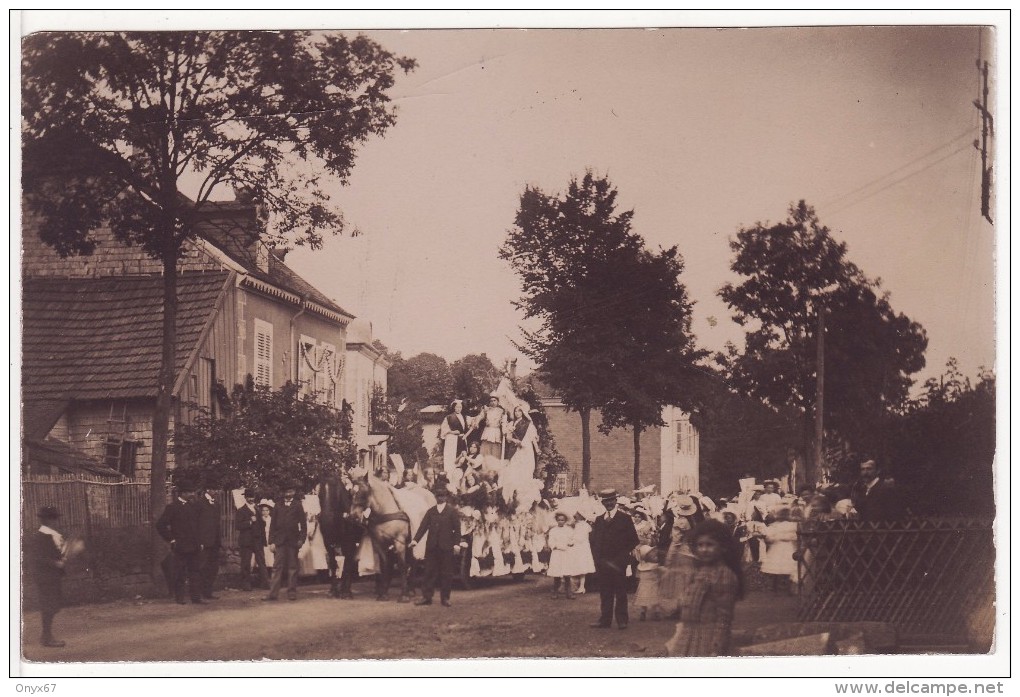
{"points": [[613, 539], [250, 536], [209, 536], [288, 533], [46, 550], [442, 523], [874, 498], [179, 525]]}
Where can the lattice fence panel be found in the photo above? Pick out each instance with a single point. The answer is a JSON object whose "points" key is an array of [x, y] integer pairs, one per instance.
{"points": [[930, 576]]}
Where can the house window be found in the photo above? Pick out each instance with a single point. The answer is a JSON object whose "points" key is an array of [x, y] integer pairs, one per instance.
{"points": [[685, 436], [121, 455], [263, 373]]}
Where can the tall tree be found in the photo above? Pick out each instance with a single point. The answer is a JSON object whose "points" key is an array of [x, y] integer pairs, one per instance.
{"points": [[113, 122], [654, 336], [941, 448], [474, 377], [791, 272], [422, 380], [566, 249]]}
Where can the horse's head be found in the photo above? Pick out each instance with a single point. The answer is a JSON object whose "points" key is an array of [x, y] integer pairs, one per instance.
{"points": [[360, 497]]}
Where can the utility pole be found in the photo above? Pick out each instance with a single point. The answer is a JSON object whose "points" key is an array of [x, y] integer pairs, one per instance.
{"points": [[820, 399], [987, 130]]}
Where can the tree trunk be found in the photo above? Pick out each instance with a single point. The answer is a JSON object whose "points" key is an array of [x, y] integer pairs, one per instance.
{"points": [[161, 415], [811, 466], [585, 447], [637, 457]]}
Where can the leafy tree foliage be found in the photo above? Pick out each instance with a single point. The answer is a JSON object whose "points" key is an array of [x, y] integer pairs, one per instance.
{"points": [[474, 377], [791, 271], [403, 424], [741, 436], [265, 439], [422, 380], [654, 336], [941, 449], [567, 250], [113, 121]]}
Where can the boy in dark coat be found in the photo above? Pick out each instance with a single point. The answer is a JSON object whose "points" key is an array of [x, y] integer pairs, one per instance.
{"points": [[250, 536], [288, 533], [613, 539], [442, 523], [46, 547], [179, 525]]}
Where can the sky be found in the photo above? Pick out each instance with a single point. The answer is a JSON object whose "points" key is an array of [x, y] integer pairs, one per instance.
{"points": [[702, 131]]}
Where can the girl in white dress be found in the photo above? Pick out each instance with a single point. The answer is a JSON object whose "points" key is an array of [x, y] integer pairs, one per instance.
{"points": [[560, 540], [581, 561], [781, 539]]}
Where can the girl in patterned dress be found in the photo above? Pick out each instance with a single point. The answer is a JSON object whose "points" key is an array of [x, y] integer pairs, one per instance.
{"points": [[712, 589]]}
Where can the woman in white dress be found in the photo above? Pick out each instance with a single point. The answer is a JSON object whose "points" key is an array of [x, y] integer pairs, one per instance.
{"points": [[452, 431], [312, 554], [522, 442]]}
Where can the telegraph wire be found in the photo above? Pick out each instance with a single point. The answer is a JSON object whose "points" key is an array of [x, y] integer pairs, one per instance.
{"points": [[901, 179], [841, 197]]}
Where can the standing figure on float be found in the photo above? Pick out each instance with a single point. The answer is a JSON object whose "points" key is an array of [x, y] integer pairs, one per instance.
{"points": [[522, 445], [492, 420], [453, 431]]}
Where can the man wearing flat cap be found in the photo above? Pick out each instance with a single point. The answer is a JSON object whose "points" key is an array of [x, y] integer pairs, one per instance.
{"points": [[613, 539], [46, 547]]}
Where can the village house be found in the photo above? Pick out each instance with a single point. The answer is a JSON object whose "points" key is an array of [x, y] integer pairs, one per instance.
{"points": [[92, 332], [670, 457], [365, 380]]}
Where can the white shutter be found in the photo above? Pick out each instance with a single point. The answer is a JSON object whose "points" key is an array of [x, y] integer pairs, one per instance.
{"points": [[263, 373]]}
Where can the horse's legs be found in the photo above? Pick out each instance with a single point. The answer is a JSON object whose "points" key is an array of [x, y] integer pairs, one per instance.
{"points": [[332, 568], [382, 562], [403, 567]]}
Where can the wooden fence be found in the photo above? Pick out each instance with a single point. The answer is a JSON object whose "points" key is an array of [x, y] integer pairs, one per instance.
{"points": [[94, 504], [928, 577]]}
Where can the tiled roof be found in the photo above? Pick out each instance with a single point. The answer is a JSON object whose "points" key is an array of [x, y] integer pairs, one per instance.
{"points": [[101, 338], [228, 225], [56, 453]]}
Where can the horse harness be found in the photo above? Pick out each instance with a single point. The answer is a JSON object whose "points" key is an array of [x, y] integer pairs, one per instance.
{"points": [[376, 519]]}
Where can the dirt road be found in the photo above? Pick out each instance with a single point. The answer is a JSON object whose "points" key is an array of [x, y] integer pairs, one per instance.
{"points": [[503, 619]]}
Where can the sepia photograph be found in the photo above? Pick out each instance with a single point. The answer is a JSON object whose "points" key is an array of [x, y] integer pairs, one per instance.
{"points": [[480, 343]]}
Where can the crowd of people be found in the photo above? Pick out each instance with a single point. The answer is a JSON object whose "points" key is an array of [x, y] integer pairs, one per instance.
{"points": [[686, 554]]}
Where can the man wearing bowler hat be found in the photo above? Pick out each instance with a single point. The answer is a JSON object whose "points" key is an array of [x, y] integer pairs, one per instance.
{"points": [[288, 533], [179, 525], [250, 537], [46, 547], [613, 539]]}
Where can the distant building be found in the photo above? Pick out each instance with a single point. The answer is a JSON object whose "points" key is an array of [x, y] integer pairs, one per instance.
{"points": [[365, 376], [669, 454]]}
